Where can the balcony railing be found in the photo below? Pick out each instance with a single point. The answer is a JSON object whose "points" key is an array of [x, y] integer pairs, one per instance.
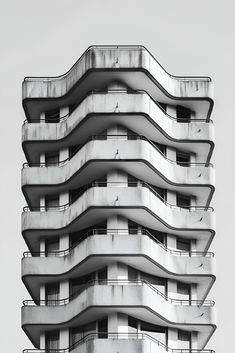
{"points": [[136, 183], [119, 336], [121, 282], [117, 137], [119, 232], [55, 119]]}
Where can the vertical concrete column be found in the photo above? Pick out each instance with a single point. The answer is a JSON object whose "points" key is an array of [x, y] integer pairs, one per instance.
{"points": [[64, 242], [42, 292], [194, 340], [171, 241], [112, 271], [64, 285], [171, 195], [42, 340], [171, 288], [193, 245], [42, 158], [112, 222], [64, 338], [172, 337], [113, 323], [42, 247], [122, 272], [122, 325], [193, 291]]}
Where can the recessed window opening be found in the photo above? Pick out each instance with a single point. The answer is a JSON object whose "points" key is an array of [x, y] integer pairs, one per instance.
{"points": [[183, 114], [183, 201], [183, 244], [52, 116], [183, 158], [52, 158], [51, 202]]}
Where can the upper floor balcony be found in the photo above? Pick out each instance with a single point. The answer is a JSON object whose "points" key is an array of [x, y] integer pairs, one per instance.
{"points": [[134, 110], [120, 342], [132, 65], [139, 299], [133, 154], [140, 250], [137, 201]]}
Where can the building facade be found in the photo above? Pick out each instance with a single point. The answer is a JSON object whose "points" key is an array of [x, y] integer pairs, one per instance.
{"points": [[118, 222]]}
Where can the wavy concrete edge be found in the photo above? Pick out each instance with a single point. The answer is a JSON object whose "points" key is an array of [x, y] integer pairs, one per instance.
{"points": [[118, 198], [93, 152], [142, 104], [107, 297], [192, 88], [113, 246]]}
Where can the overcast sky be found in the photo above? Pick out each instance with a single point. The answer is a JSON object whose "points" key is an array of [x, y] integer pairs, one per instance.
{"points": [[45, 38]]}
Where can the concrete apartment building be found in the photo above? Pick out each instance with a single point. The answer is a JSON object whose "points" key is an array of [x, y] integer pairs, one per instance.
{"points": [[118, 183]]}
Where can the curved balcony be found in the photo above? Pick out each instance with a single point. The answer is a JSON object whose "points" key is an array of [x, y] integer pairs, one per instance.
{"points": [[101, 342], [132, 65], [136, 111], [141, 251], [140, 203], [140, 300], [135, 155]]}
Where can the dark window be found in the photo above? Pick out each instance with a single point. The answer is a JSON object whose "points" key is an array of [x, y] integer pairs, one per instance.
{"points": [[132, 227], [183, 158], [158, 281], [77, 285], [183, 114], [74, 149], [102, 135], [159, 236], [132, 274], [103, 328], [52, 340], [132, 181], [99, 228], [72, 108], [145, 326], [163, 105], [51, 245], [102, 275], [52, 291], [52, 116], [131, 135], [184, 288], [183, 244], [51, 202], [52, 158], [183, 201], [160, 147], [184, 335], [161, 193], [132, 322], [102, 181]]}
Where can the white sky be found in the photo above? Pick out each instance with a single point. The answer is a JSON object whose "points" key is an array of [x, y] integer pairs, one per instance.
{"points": [[46, 38]]}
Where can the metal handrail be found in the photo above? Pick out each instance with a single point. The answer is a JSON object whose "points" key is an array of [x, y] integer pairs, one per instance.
{"points": [[118, 335], [108, 91], [118, 232], [136, 183], [124, 136], [141, 282]]}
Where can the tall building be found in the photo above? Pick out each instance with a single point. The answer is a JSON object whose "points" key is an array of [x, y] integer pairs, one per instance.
{"points": [[118, 183]]}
